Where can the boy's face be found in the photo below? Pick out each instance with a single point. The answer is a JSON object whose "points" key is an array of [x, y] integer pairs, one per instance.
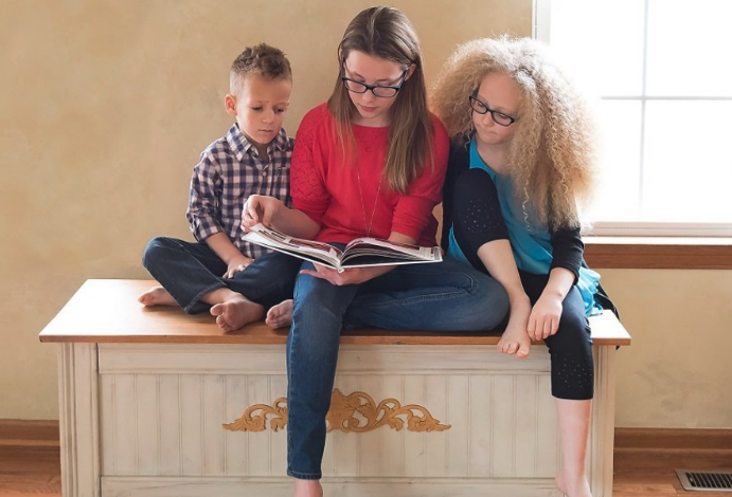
{"points": [[260, 107]]}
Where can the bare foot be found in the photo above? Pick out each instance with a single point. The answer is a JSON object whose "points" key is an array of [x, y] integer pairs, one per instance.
{"points": [[515, 340], [308, 488], [156, 296], [235, 312], [280, 315], [572, 486]]}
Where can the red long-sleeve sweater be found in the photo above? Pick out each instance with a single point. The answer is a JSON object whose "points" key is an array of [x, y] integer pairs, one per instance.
{"points": [[327, 189]]}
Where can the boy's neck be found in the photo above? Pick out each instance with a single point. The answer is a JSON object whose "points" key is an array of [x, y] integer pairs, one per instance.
{"points": [[262, 152]]}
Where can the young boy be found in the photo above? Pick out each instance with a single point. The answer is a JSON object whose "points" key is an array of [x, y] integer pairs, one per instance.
{"points": [[236, 280]]}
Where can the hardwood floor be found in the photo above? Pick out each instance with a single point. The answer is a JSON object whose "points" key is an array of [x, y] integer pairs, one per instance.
{"points": [[35, 471], [650, 472], [30, 471]]}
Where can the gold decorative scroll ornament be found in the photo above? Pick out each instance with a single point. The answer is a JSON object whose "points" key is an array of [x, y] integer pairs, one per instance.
{"points": [[343, 415]]}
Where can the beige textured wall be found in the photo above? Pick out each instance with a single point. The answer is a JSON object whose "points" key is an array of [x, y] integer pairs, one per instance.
{"points": [[104, 107], [677, 372]]}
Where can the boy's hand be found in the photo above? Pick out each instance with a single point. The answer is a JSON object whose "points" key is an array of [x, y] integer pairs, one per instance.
{"points": [[237, 264], [544, 318], [259, 209]]}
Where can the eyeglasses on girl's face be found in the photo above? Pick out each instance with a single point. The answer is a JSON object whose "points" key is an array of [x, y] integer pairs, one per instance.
{"points": [[500, 118], [377, 90]]}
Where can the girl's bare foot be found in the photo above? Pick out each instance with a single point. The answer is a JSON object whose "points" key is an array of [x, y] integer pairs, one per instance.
{"points": [[308, 488], [280, 315], [235, 312], [157, 296], [570, 486], [515, 340]]}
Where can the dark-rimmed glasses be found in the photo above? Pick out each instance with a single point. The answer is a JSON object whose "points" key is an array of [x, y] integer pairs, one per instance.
{"points": [[498, 117], [377, 90]]}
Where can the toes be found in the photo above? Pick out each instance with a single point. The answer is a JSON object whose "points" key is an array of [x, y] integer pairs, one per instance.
{"points": [[221, 321], [217, 310], [279, 323], [145, 299]]}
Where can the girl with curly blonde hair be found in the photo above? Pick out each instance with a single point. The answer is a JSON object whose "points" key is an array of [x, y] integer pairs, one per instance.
{"points": [[521, 163]]}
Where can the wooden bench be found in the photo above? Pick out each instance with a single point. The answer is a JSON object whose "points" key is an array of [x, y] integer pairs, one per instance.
{"points": [[157, 403]]}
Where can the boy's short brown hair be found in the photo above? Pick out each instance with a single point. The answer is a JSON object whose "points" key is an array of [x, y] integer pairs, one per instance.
{"points": [[262, 60]]}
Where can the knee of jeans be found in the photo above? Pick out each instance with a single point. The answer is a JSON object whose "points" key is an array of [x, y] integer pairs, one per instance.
{"points": [[495, 306], [319, 318], [315, 326], [153, 250]]}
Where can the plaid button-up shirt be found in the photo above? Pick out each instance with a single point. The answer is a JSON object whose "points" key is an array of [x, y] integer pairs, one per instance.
{"points": [[229, 171]]}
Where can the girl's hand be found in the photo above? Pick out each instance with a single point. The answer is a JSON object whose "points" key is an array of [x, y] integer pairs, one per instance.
{"points": [[237, 264], [259, 209], [351, 276], [544, 318]]}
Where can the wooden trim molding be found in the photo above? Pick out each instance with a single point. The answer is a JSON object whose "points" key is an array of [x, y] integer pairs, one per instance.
{"points": [[658, 253], [671, 439], [29, 433]]}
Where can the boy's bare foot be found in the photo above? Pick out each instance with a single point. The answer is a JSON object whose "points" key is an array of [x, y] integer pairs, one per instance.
{"points": [[515, 340], [235, 312], [157, 296], [572, 486], [308, 488], [280, 315]]}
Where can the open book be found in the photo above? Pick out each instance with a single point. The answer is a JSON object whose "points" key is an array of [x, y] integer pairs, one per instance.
{"points": [[360, 252]]}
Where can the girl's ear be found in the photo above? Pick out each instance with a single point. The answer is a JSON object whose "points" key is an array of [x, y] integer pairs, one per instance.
{"points": [[412, 68], [230, 104]]}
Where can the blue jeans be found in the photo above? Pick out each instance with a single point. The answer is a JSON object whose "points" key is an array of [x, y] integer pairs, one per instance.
{"points": [[188, 271], [446, 296]]}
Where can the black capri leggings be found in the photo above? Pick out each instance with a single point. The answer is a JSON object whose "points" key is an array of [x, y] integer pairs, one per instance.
{"points": [[477, 220]]}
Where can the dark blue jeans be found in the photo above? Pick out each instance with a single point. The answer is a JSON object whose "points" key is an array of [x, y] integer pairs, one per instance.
{"points": [[446, 296], [188, 271]]}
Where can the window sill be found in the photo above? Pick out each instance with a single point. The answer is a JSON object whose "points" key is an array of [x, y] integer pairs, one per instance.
{"points": [[658, 252]]}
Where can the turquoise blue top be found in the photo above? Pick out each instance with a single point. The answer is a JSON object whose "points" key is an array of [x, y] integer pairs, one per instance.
{"points": [[530, 242]]}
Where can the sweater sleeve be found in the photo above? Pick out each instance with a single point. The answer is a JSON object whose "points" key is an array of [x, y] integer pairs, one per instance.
{"points": [[567, 250], [308, 189], [413, 211], [457, 163]]}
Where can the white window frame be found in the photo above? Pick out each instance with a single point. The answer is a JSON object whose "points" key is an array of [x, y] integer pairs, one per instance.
{"points": [[541, 30]]}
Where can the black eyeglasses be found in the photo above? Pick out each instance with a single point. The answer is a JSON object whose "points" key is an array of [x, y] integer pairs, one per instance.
{"points": [[498, 117], [377, 90]]}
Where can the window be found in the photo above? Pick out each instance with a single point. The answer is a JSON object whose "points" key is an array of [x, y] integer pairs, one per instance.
{"points": [[662, 72]]}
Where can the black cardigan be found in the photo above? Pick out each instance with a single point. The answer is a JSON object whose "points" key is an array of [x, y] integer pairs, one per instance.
{"points": [[567, 245]]}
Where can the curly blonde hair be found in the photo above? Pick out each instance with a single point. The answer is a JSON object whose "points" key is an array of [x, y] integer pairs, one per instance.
{"points": [[551, 157]]}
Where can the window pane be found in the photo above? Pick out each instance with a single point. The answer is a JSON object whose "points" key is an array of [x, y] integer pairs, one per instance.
{"points": [[688, 167], [600, 43], [618, 196], [688, 48]]}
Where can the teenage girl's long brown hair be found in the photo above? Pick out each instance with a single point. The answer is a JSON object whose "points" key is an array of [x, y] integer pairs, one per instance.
{"points": [[385, 32]]}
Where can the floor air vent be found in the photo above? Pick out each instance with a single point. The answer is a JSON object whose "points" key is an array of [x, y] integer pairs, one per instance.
{"points": [[708, 481]]}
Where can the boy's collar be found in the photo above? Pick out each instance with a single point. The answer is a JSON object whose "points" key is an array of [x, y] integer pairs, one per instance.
{"points": [[241, 145]]}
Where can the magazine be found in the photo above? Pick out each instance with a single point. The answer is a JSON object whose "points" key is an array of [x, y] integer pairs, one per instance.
{"points": [[361, 252]]}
